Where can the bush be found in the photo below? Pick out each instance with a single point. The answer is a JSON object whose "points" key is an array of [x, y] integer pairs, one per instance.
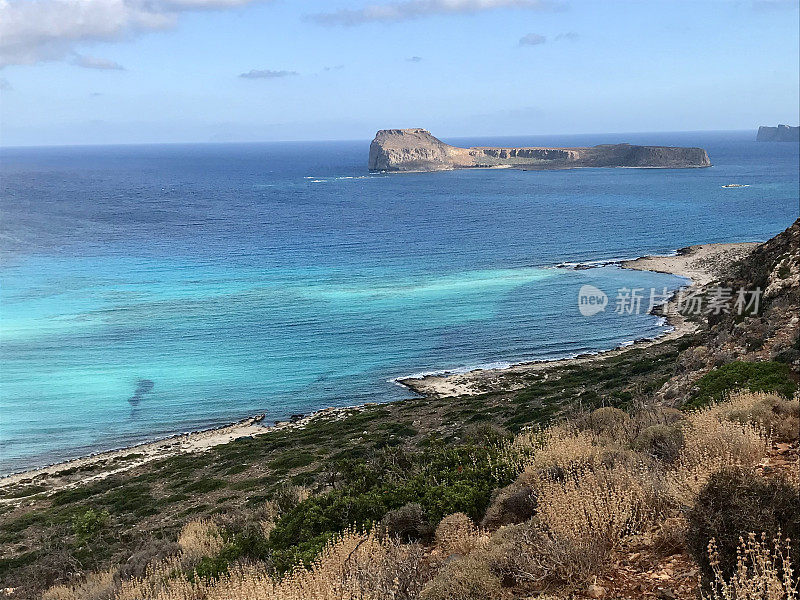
{"points": [[663, 442], [735, 503], [95, 586], [765, 376], [153, 552], [408, 523], [512, 504], [465, 579], [608, 422], [762, 572], [775, 414], [441, 479], [200, 539], [531, 555], [87, 524], [457, 534]]}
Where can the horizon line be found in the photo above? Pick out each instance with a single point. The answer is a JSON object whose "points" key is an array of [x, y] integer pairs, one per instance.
{"points": [[323, 140]]}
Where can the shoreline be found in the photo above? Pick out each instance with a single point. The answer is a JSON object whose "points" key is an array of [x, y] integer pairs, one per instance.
{"points": [[699, 264], [99, 465]]}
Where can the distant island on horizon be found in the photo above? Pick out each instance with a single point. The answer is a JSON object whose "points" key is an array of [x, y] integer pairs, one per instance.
{"points": [[781, 133], [416, 149]]}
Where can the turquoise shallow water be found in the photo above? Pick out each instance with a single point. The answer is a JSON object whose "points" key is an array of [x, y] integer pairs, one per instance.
{"points": [[150, 290]]}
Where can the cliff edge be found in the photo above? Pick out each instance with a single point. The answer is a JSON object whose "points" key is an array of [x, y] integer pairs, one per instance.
{"points": [[418, 150], [781, 133]]}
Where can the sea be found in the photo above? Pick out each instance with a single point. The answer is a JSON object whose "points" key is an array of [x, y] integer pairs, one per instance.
{"points": [[154, 289]]}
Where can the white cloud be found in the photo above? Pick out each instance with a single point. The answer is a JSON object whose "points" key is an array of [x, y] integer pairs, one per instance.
{"points": [[93, 62], [267, 74], [414, 9], [532, 39], [37, 30]]}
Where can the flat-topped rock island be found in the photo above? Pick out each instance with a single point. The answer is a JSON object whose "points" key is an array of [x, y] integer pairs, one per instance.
{"points": [[410, 150]]}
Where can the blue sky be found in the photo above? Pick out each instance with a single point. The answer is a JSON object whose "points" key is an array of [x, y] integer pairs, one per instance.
{"points": [[136, 71]]}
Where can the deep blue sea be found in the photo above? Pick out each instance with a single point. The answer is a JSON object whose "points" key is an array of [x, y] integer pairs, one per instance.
{"points": [[148, 290]]}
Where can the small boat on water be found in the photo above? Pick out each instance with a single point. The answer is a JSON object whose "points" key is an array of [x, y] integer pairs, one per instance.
{"points": [[733, 185]]}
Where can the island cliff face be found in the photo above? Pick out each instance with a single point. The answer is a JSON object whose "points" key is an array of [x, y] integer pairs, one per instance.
{"points": [[418, 150], [781, 133]]}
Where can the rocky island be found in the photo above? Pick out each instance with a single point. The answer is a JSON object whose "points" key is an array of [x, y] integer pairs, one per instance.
{"points": [[781, 133], [417, 150]]}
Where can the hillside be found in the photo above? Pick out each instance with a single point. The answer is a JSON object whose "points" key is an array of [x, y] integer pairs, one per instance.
{"points": [[781, 133]]}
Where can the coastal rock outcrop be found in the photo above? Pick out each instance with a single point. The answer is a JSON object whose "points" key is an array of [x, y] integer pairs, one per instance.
{"points": [[781, 133], [418, 150]]}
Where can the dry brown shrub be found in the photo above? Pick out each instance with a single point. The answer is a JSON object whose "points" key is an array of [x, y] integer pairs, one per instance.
{"points": [[200, 538], [711, 443], [289, 495], [662, 442], [457, 534], [763, 572], [603, 504], [556, 451], [468, 578], [533, 556], [778, 415], [96, 586], [409, 523], [607, 422], [649, 416], [164, 580]]}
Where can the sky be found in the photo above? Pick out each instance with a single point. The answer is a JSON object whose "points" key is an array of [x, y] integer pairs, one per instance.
{"points": [[153, 71]]}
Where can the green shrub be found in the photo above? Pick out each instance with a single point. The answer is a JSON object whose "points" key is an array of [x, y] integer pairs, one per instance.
{"points": [[734, 503], [511, 504], [87, 524], [765, 376], [442, 480], [466, 579], [663, 442], [408, 523]]}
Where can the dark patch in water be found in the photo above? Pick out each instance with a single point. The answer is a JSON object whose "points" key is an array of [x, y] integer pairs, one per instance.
{"points": [[143, 386]]}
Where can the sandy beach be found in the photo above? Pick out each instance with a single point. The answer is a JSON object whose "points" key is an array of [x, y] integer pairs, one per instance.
{"points": [[79, 471], [701, 264]]}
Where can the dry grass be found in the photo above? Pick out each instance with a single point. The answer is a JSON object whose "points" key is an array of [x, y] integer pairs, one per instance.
{"points": [[775, 414], [604, 503], [356, 565], [200, 538], [713, 442], [457, 534], [763, 572], [467, 579], [96, 586]]}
